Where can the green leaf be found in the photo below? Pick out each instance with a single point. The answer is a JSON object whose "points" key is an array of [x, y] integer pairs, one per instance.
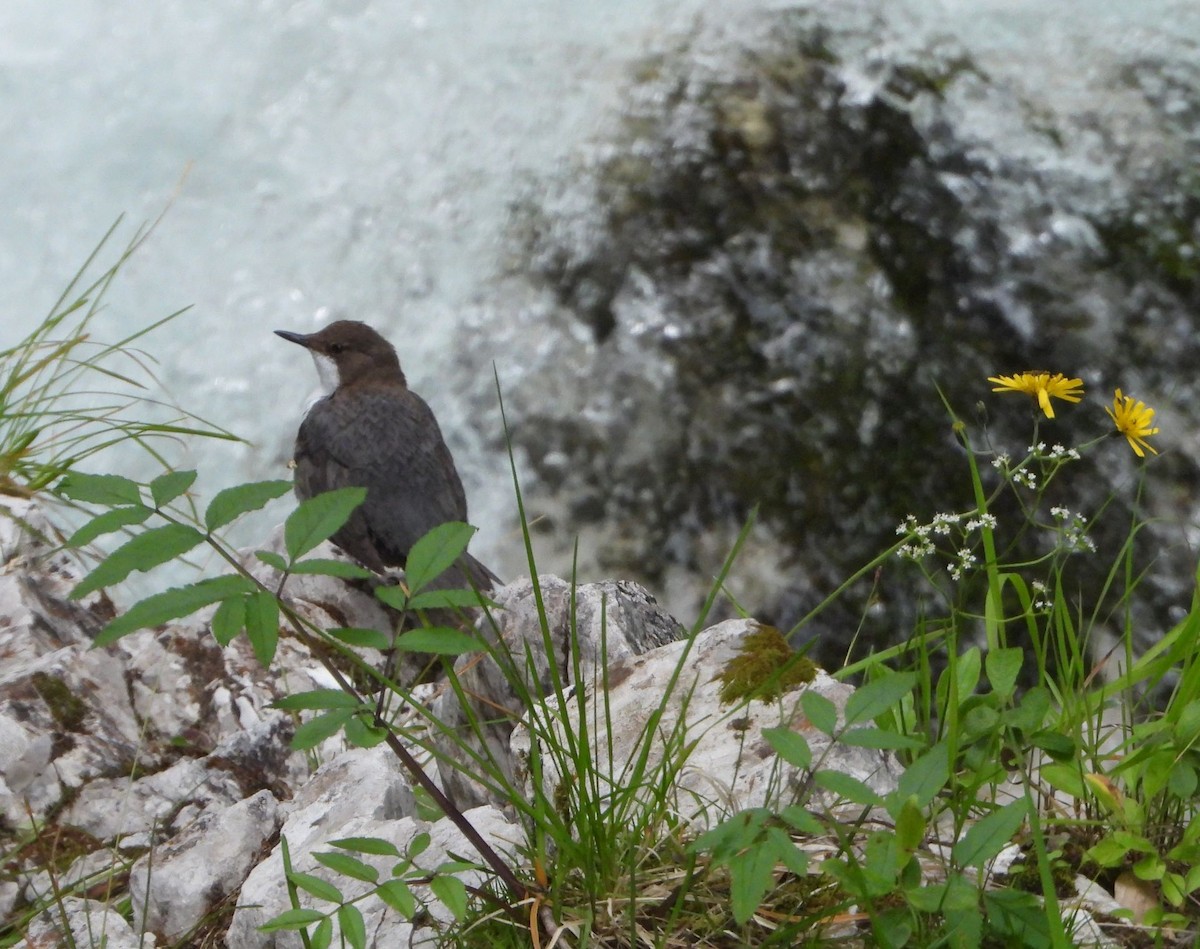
{"points": [[1030, 713], [786, 851], [172, 604], [789, 745], [1003, 665], [978, 720], [322, 936], [328, 567], [450, 890], [928, 898], [362, 733], [373, 845], [272, 559], [109, 521], [1150, 867], [821, 712], [868, 736], [1065, 777], [847, 788], [167, 487], [1017, 914], [968, 668], [435, 553], [802, 819], [876, 697], [419, 844], [961, 895], [1058, 746], [292, 919], [393, 595], [362, 638], [1172, 888], [1187, 725], [143, 552], [262, 625], [109, 490], [910, 825], [731, 835], [1108, 853], [348, 866], [232, 503], [752, 873], [229, 619], [925, 777], [399, 897], [1182, 780], [321, 889], [316, 699], [965, 930], [316, 730], [989, 835], [350, 921], [319, 518], [439, 640]]}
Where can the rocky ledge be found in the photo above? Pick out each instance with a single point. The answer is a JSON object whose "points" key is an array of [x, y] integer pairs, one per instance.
{"points": [[155, 774]]}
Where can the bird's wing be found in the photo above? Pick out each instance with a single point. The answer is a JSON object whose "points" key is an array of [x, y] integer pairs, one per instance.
{"points": [[388, 442]]}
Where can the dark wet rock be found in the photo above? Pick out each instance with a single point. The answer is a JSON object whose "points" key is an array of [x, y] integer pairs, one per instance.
{"points": [[797, 233]]}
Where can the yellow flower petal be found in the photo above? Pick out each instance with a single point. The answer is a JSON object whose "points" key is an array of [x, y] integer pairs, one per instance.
{"points": [[1042, 386], [1135, 420]]}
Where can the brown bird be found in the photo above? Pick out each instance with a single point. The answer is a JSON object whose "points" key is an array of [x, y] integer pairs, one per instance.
{"points": [[372, 431]]}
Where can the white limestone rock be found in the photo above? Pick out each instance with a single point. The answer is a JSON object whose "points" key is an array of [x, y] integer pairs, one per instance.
{"points": [[184, 880], [731, 766]]}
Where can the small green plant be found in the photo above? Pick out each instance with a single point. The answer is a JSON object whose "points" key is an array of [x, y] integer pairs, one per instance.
{"points": [[65, 397], [396, 890]]}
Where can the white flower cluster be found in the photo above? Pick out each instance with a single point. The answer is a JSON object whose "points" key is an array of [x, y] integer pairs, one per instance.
{"points": [[1022, 474], [1072, 531], [1059, 453], [1024, 477], [1041, 597], [922, 545]]}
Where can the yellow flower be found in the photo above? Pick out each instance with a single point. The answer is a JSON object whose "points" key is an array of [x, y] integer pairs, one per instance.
{"points": [[1041, 385], [1134, 420]]}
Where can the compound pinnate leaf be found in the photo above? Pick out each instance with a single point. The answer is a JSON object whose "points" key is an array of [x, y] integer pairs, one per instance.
{"points": [[173, 604]]}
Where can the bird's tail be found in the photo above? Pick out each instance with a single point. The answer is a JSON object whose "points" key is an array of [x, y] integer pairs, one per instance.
{"points": [[479, 576]]}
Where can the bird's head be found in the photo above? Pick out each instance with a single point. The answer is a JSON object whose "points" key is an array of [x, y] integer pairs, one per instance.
{"points": [[349, 353]]}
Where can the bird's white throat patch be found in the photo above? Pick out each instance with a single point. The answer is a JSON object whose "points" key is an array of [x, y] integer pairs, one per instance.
{"points": [[327, 371]]}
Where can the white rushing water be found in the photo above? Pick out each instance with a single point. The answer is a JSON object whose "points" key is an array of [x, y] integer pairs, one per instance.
{"points": [[354, 158]]}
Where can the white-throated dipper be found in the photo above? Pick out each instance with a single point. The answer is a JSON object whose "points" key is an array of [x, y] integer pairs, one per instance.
{"points": [[371, 431]]}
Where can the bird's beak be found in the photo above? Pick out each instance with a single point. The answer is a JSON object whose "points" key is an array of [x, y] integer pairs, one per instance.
{"points": [[301, 339]]}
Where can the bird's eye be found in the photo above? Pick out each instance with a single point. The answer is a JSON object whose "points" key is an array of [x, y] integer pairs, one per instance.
{"points": [[336, 348]]}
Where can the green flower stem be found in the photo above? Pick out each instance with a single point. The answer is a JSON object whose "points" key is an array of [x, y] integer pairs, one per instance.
{"points": [[994, 611]]}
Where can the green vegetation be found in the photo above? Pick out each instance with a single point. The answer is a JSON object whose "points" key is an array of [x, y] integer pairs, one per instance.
{"points": [[1012, 739]]}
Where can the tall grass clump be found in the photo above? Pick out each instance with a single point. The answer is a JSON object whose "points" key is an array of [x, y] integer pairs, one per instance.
{"points": [[65, 396]]}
